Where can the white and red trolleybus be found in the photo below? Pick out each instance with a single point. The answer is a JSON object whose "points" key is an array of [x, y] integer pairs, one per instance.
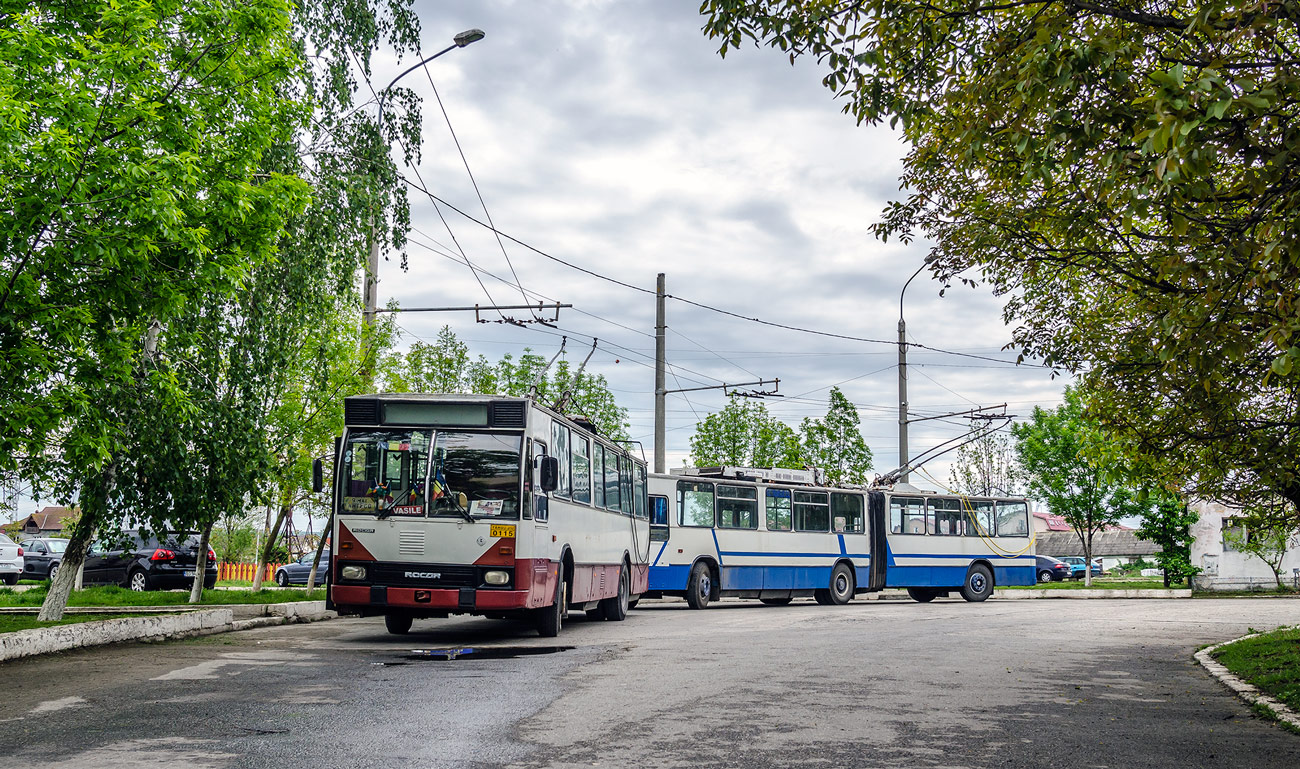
{"points": [[485, 505]]}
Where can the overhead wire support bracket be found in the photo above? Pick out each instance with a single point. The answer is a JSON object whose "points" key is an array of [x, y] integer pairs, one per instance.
{"points": [[479, 308], [725, 386]]}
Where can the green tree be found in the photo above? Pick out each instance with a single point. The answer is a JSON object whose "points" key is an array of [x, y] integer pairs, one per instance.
{"points": [[1059, 450], [445, 367], [744, 434], [1122, 172], [986, 467], [1266, 531], [835, 444], [1169, 525], [133, 139]]}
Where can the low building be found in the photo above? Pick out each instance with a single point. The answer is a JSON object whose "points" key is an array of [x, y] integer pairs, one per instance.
{"points": [[1223, 567], [1115, 546], [48, 522]]}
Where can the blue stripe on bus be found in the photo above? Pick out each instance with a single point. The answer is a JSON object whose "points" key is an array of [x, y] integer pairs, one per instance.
{"points": [[797, 555], [716, 547], [660, 554], [842, 550]]}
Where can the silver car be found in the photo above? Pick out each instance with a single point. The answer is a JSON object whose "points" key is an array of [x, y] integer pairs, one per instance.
{"points": [[11, 560]]}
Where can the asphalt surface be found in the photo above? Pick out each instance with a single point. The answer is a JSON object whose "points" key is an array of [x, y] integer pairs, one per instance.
{"points": [[874, 684]]}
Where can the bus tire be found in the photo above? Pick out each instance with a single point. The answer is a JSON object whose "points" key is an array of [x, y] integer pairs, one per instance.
{"points": [[979, 583], [699, 588], [841, 589], [921, 594], [551, 618], [776, 601], [615, 609], [822, 596], [398, 624], [631, 604]]}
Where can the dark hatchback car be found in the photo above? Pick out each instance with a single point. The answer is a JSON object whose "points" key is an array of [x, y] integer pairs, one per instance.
{"points": [[42, 556], [296, 573], [147, 562], [1052, 569]]}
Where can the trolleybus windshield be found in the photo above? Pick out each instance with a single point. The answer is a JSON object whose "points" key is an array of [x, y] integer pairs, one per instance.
{"points": [[384, 472], [475, 473]]}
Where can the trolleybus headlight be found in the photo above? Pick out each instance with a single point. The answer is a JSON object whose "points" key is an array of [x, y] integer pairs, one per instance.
{"points": [[353, 572], [496, 577]]}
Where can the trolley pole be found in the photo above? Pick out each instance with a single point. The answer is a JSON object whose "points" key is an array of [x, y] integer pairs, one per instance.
{"points": [[660, 364]]}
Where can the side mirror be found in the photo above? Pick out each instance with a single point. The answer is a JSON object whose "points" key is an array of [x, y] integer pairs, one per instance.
{"points": [[317, 475], [550, 472]]}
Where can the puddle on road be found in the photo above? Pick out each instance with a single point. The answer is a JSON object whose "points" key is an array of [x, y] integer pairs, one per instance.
{"points": [[473, 653]]}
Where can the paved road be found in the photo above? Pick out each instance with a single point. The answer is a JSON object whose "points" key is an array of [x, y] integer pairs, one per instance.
{"points": [[875, 684]]}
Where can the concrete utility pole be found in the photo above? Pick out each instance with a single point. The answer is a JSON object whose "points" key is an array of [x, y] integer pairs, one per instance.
{"points": [[660, 365], [902, 381]]}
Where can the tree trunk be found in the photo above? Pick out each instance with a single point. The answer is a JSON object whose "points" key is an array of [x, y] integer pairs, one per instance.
{"points": [[265, 555], [320, 548], [1087, 560], [196, 590], [69, 573]]}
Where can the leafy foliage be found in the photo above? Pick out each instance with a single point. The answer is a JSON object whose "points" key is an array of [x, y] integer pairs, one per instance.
{"points": [[1169, 525], [986, 467], [1124, 173], [835, 444], [744, 434], [445, 367], [1058, 450]]}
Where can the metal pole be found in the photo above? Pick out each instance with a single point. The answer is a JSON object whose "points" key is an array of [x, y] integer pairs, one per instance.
{"points": [[660, 364], [902, 380]]}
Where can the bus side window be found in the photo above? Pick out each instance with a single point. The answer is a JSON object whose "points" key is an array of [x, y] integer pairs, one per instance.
{"points": [[694, 503], [846, 513], [658, 510], [542, 506], [778, 509]]}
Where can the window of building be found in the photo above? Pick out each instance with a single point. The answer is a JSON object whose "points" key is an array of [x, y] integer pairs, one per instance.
{"points": [[1013, 519], [907, 515], [846, 513], [947, 516], [694, 503], [737, 507], [811, 511], [581, 478], [560, 443], [778, 510]]}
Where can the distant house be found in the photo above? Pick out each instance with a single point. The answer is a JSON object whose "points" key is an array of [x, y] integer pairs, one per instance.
{"points": [[48, 521], [1222, 566], [1115, 546]]}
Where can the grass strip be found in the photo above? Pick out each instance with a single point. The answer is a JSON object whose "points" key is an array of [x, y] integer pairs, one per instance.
{"points": [[117, 596], [1270, 662], [12, 622], [1097, 584]]}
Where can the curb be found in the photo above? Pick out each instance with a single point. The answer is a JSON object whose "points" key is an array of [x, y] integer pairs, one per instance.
{"points": [[1086, 593], [27, 643], [1245, 691]]}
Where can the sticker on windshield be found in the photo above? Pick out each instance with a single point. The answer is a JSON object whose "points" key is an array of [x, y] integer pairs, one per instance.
{"points": [[408, 510], [359, 504], [486, 506]]}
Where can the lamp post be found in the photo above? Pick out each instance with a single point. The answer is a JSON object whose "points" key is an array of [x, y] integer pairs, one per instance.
{"points": [[902, 379], [371, 287]]}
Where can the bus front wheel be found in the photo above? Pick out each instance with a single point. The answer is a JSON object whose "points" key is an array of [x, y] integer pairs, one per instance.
{"points": [[979, 583], [699, 588], [398, 624]]}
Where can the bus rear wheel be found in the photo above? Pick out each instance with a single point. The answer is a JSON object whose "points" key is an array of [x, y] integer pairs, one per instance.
{"points": [[615, 609], [699, 588], [979, 583], [842, 585]]}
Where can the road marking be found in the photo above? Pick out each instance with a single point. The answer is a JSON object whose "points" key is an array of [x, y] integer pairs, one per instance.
{"points": [[51, 706], [210, 669]]}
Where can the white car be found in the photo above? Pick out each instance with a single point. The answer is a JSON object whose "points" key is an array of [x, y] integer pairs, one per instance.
{"points": [[11, 560]]}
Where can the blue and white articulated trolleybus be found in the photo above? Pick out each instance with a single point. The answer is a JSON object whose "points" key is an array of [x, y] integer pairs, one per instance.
{"points": [[775, 535], [495, 506]]}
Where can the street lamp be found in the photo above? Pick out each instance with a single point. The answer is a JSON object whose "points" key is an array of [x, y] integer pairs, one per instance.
{"points": [[902, 378], [372, 263]]}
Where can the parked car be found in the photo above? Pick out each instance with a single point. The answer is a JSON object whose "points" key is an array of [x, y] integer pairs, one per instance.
{"points": [[152, 562], [11, 560], [1051, 569], [1076, 566], [296, 573], [42, 556]]}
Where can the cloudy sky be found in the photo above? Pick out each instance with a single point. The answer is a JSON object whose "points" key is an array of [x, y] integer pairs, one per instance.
{"points": [[611, 135]]}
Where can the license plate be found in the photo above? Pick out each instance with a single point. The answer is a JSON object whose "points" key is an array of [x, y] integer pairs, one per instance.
{"points": [[189, 574], [498, 530]]}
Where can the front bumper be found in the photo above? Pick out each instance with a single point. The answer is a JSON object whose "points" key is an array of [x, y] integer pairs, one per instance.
{"points": [[466, 599]]}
